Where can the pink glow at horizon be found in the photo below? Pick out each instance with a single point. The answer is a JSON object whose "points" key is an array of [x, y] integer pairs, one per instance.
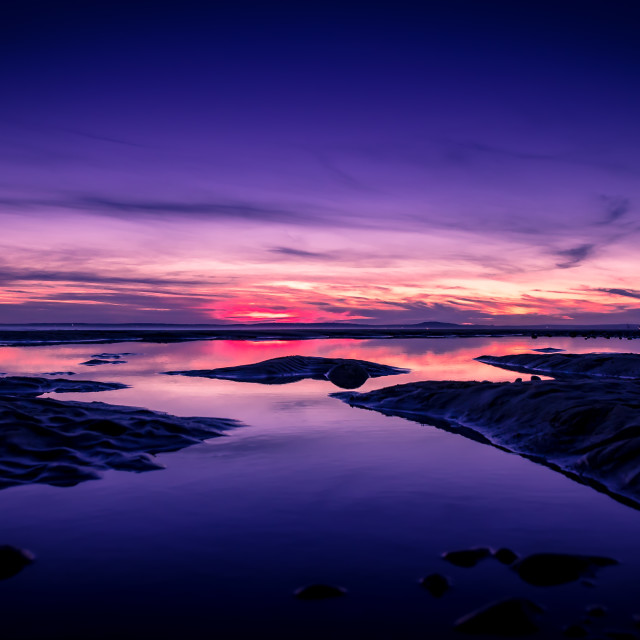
{"points": [[283, 273]]}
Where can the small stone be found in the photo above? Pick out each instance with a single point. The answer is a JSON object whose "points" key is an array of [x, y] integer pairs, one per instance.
{"points": [[575, 631], [436, 584], [549, 569], [535, 378], [319, 592], [467, 557], [619, 634], [596, 611], [506, 556], [509, 617], [348, 375], [13, 560]]}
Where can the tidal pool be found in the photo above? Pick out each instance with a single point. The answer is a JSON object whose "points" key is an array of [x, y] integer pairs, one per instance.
{"points": [[308, 491]]}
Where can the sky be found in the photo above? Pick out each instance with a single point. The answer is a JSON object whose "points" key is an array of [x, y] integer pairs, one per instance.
{"points": [[457, 161]]}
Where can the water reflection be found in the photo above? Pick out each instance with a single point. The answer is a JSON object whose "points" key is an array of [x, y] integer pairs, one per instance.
{"points": [[310, 491]]}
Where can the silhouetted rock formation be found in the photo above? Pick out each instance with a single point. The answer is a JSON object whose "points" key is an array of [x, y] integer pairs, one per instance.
{"points": [[599, 365], [342, 372], [22, 386]]}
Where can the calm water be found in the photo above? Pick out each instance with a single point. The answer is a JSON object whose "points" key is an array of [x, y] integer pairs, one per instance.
{"points": [[310, 490]]}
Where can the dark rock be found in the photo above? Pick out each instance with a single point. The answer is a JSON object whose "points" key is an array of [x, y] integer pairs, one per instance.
{"points": [[96, 361], [508, 617], [596, 611], [548, 569], [575, 631], [348, 375], [115, 356], [467, 557], [319, 592], [535, 378], [436, 584], [13, 560], [620, 634], [23, 386], [506, 556]]}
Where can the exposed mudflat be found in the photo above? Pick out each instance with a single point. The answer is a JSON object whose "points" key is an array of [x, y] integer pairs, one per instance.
{"points": [[590, 428], [27, 386], [63, 443], [596, 365], [294, 368]]}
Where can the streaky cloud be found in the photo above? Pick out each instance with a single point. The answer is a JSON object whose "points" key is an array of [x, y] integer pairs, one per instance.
{"points": [[8, 276], [615, 208], [627, 293], [575, 256], [299, 253]]}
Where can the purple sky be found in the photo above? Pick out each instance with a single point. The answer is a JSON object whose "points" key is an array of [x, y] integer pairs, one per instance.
{"points": [[463, 162]]}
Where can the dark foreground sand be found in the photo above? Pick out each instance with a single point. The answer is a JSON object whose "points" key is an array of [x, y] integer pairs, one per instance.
{"points": [[64, 443], [588, 428]]}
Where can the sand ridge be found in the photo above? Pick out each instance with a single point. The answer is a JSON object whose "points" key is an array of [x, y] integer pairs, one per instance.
{"points": [[49, 441]]}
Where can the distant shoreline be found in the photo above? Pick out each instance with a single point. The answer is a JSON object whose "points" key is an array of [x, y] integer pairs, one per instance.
{"points": [[104, 334]]}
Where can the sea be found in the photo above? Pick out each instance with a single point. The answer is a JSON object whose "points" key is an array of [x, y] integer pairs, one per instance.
{"points": [[307, 491]]}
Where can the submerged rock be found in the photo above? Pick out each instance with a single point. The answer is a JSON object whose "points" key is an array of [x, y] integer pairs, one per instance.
{"points": [[467, 557], [549, 569], [436, 584], [96, 361], [13, 560], [343, 372], [116, 356], [319, 592], [508, 617]]}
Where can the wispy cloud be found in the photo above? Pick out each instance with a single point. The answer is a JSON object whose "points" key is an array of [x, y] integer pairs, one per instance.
{"points": [[8, 276], [299, 253], [627, 293], [574, 256], [615, 208]]}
